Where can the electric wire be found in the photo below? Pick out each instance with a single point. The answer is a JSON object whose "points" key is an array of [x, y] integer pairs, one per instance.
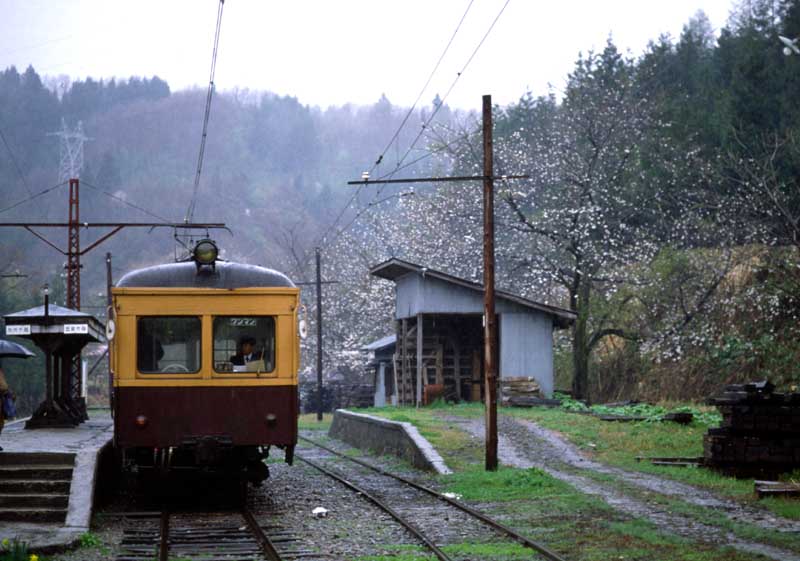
{"points": [[209, 95], [125, 202], [399, 165], [16, 164], [428, 154], [453, 85], [324, 241], [422, 91], [357, 191], [32, 197]]}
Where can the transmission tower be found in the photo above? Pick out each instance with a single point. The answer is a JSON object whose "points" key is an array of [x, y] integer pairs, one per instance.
{"points": [[71, 150]]}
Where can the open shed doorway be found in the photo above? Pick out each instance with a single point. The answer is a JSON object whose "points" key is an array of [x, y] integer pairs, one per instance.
{"points": [[449, 348]]}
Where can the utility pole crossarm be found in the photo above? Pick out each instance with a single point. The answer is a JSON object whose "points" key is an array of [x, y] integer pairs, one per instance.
{"points": [[437, 179], [182, 225]]}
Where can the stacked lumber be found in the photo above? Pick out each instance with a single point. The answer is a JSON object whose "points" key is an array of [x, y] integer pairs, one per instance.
{"points": [[777, 489], [759, 433], [522, 391]]}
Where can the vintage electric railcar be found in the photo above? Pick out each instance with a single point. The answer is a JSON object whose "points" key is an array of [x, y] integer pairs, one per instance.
{"points": [[205, 356]]}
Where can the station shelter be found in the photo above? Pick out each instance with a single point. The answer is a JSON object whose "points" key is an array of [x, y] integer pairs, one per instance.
{"points": [[61, 333], [437, 348]]}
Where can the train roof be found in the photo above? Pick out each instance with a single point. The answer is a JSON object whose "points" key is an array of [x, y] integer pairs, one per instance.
{"points": [[224, 275]]}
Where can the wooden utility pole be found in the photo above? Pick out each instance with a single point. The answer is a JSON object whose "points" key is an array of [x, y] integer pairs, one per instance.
{"points": [[490, 353], [489, 318], [319, 337]]}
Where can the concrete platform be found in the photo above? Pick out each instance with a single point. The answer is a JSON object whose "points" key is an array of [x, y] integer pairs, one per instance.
{"points": [[383, 436], [84, 442]]}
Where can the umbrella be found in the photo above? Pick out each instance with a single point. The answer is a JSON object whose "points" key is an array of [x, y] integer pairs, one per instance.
{"points": [[13, 350]]}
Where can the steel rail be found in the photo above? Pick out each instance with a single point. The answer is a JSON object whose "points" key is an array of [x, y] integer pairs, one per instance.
{"points": [[441, 555], [261, 537], [552, 556]]}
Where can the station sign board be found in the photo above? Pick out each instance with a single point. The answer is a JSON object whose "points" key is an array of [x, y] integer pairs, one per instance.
{"points": [[18, 329], [76, 328]]}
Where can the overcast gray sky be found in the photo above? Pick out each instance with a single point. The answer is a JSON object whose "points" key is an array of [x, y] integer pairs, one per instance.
{"points": [[330, 52]]}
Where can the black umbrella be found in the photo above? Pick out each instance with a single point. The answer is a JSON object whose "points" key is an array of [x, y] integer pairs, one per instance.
{"points": [[13, 350]]}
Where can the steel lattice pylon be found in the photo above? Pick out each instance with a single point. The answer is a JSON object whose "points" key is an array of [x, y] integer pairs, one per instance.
{"points": [[71, 151]]}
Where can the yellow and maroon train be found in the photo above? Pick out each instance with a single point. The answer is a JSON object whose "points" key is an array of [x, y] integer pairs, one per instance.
{"points": [[204, 356]]}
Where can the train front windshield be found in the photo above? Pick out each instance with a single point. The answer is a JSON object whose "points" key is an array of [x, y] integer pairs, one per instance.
{"points": [[168, 345], [244, 344]]}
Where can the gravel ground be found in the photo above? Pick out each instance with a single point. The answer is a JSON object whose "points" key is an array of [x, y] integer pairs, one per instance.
{"points": [[441, 523], [524, 444], [353, 527]]}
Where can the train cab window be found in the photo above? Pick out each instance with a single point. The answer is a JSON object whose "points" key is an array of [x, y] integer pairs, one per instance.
{"points": [[244, 344], [168, 345]]}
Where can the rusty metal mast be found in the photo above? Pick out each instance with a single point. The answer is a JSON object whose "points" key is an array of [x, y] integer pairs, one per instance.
{"points": [[74, 247], [74, 252]]}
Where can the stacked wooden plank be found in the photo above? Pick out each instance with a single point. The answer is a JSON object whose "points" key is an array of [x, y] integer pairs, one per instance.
{"points": [[777, 489], [520, 391], [759, 434]]}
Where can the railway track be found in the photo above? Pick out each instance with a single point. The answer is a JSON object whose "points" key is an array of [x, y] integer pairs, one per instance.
{"points": [[372, 494], [224, 536]]}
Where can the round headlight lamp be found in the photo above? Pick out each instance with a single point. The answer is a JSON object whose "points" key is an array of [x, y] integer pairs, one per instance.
{"points": [[205, 252]]}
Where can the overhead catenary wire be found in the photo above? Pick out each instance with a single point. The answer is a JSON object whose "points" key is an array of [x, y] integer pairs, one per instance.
{"points": [[124, 201], [394, 137], [32, 197], [325, 240], [399, 165], [450, 89], [209, 95], [422, 91], [16, 164]]}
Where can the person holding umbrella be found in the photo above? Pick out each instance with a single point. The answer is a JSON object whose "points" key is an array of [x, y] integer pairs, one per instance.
{"points": [[8, 349]]}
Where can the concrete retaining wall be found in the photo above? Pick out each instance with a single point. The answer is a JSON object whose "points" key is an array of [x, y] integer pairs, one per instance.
{"points": [[382, 436]]}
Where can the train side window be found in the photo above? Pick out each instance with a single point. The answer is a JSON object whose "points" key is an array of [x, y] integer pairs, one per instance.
{"points": [[168, 345], [244, 344]]}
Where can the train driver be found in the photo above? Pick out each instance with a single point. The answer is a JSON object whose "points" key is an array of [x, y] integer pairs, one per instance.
{"points": [[247, 352]]}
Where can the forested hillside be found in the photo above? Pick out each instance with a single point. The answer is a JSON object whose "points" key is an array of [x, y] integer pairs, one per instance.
{"points": [[663, 205]]}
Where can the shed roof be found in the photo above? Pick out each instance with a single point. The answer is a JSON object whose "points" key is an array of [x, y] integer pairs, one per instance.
{"points": [[382, 343], [395, 268]]}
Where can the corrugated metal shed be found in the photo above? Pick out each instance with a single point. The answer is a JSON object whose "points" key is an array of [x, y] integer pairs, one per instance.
{"points": [[440, 342]]}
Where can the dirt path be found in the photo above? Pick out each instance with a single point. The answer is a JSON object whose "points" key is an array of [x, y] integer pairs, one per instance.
{"points": [[524, 444]]}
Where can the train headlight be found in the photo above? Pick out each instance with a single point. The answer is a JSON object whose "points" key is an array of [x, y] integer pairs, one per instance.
{"points": [[205, 252], [141, 421]]}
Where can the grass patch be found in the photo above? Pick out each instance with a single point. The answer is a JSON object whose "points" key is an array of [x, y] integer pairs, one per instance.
{"points": [[399, 552], [493, 551], [309, 421], [786, 507], [505, 484]]}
